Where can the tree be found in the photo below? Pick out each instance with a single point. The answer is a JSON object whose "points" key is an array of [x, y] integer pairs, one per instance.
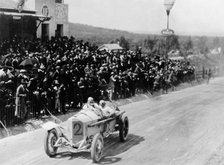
{"points": [[124, 43], [216, 42], [203, 45], [186, 47], [160, 46], [149, 43], [166, 44], [172, 42], [189, 44]]}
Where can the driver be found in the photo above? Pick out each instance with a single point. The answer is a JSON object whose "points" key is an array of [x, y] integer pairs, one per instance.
{"points": [[107, 111], [91, 105]]}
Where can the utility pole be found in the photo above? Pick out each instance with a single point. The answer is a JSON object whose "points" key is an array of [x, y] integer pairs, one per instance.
{"points": [[166, 33]]}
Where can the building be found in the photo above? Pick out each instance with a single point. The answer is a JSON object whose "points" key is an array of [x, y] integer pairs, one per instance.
{"points": [[16, 19], [110, 47], [58, 12], [48, 18]]}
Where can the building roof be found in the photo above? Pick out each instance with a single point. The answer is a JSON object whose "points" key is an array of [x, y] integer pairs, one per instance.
{"points": [[110, 47], [9, 7], [176, 58], [24, 14]]}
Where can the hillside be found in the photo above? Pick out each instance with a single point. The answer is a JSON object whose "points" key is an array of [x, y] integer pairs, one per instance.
{"points": [[102, 35]]}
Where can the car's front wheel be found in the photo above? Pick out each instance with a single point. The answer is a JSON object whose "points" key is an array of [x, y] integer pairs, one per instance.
{"points": [[49, 142], [97, 148]]}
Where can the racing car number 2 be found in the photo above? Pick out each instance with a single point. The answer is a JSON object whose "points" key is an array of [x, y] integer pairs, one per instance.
{"points": [[77, 129]]}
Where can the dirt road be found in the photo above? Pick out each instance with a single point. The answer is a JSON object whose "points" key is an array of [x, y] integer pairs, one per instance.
{"points": [[182, 128]]}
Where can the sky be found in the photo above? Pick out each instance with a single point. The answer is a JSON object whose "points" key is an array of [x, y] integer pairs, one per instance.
{"points": [[188, 17]]}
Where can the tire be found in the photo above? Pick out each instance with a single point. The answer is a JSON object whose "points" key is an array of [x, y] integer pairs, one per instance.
{"points": [[97, 148], [123, 128], [49, 142]]}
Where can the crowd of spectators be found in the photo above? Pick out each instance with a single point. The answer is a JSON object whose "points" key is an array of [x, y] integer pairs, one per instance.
{"points": [[62, 72]]}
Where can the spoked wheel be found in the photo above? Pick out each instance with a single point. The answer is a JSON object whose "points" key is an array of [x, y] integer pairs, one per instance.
{"points": [[97, 148], [123, 128], [50, 140]]}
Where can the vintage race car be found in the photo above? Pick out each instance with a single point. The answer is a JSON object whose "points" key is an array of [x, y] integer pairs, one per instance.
{"points": [[85, 131]]}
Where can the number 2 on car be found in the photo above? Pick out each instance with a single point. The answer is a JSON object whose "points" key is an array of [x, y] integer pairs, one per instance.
{"points": [[77, 129]]}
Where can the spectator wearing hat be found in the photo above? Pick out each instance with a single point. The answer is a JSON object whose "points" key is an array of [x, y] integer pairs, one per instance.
{"points": [[62, 92], [21, 94], [3, 93], [103, 87], [57, 96], [4, 74], [34, 96], [81, 88], [50, 98], [112, 86]]}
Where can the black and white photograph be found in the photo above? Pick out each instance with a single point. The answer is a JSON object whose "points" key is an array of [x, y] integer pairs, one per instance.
{"points": [[111, 82]]}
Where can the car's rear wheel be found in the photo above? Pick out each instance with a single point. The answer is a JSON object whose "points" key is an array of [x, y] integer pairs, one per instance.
{"points": [[49, 142], [97, 148], [123, 128]]}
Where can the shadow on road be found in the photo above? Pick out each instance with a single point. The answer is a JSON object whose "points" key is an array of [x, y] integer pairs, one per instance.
{"points": [[109, 160], [71, 156], [113, 147]]}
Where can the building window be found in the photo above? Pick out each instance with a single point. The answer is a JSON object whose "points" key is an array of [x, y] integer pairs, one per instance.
{"points": [[58, 1]]}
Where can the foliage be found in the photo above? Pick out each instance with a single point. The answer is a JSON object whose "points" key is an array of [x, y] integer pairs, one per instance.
{"points": [[186, 47], [216, 42], [172, 42], [122, 41], [150, 44], [203, 45]]}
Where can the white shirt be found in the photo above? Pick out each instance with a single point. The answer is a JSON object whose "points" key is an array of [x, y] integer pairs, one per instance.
{"points": [[95, 108], [107, 111]]}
